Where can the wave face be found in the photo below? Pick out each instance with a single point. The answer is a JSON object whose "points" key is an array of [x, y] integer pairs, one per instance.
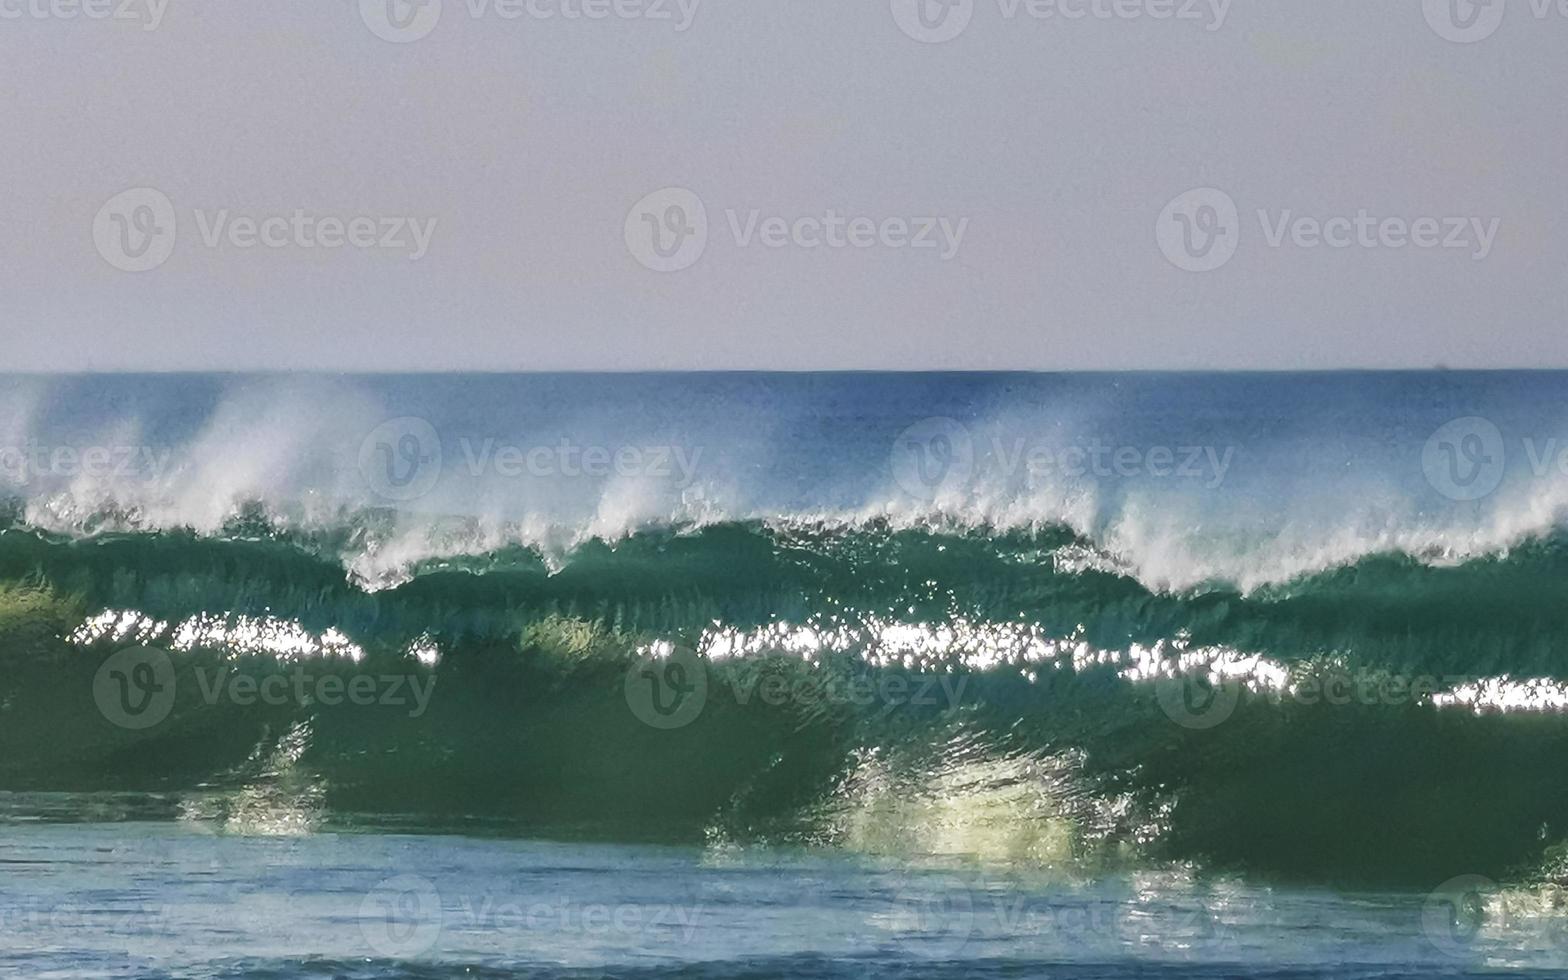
{"points": [[1265, 623]]}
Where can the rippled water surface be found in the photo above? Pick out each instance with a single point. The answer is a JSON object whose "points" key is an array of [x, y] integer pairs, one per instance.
{"points": [[179, 899]]}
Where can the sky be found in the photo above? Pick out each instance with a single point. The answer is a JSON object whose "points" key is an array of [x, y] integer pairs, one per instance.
{"points": [[379, 185]]}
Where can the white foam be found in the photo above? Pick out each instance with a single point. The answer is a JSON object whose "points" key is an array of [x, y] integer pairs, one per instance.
{"points": [[292, 445]]}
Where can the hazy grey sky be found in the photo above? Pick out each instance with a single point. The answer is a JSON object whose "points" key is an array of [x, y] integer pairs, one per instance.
{"points": [[986, 184]]}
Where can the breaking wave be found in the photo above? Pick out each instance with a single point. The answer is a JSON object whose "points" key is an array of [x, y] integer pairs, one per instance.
{"points": [[988, 694], [884, 613]]}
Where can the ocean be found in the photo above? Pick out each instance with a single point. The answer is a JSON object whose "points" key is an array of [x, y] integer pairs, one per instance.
{"points": [[766, 675]]}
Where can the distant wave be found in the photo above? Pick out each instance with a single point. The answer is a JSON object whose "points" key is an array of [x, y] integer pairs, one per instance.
{"points": [[1262, 505], [1161, 543]]}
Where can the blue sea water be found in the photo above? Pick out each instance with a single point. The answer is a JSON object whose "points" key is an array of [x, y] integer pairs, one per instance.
{"points": [[178, 900], [753, 675]]}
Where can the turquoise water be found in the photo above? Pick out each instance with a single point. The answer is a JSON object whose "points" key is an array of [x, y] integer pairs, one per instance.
{"points": [[187, 900]]}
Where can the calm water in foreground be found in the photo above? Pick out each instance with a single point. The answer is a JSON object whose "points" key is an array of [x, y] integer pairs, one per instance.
{"points": [[181, 900]]}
